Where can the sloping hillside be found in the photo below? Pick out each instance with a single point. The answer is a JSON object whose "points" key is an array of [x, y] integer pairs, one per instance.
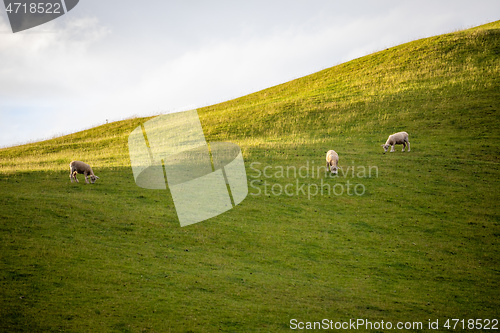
{"points": [[400, 237], [444, 85], [441, 86]]}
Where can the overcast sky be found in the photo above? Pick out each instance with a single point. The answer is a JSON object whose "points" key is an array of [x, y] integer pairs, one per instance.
{"points": [[110, 60]]}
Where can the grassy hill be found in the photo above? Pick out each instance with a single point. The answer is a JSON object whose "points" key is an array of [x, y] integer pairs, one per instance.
{"points": [[414, 239]]}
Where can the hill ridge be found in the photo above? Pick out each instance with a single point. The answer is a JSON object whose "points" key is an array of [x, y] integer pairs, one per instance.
{"points": [[335, 100]]}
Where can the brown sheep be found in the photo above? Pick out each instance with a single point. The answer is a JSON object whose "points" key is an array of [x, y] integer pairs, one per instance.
{"points": [[83, 168]]}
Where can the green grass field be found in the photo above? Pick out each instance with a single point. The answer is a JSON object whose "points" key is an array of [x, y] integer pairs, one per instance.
{"points": [[415, 239]]}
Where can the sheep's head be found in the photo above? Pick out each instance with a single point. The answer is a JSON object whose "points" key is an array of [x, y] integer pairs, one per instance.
{"points": [[93, 178], [386, 147], [334, 169]]}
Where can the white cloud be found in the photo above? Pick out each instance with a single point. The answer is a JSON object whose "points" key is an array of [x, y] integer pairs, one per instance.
{"points": [[42, 77]]}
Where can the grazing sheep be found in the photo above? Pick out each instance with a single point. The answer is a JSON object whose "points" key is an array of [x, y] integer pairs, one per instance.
{"points": [[332, 161], [400, 138], [83, 168]]}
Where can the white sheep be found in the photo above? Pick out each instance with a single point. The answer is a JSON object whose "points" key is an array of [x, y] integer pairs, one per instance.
{"points": [[332, 161], [400, 138], [82, 168]]}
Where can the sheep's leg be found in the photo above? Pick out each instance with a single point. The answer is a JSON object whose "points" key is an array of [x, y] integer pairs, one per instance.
{"points": [[392, 149], [74, 176], [404, 146], [408, 142], [71, 175]]}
